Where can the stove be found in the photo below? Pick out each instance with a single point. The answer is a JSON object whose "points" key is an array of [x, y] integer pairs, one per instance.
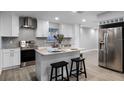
{"points": [[28, 53]]}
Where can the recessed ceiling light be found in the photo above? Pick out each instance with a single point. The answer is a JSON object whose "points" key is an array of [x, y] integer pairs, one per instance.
{"points": [[74, 11], [56, 18], [83, 20]]}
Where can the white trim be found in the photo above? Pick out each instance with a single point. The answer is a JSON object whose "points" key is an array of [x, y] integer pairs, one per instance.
{"points": [[89, 50], [12, 67], [0, 72]]}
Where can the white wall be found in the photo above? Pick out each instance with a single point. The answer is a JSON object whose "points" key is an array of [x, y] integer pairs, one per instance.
{"points": [[88, 38], [75, 38], [0, 43], [0, 60], [0, 56]]}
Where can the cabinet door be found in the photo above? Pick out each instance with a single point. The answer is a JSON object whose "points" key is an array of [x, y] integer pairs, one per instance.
{"points": [[6, 24], [66, 29], [15, 26], [9, 25], [42, 28], [11, 57], [6, 60], [16, 59]]}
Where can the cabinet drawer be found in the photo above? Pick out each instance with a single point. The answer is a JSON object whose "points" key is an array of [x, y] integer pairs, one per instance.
{"points": [[11, 50]]}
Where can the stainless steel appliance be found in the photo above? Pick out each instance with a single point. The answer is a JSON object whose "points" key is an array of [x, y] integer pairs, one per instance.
{"points": [[27, 44], [27, 52], [111, 47], [28, 22]]}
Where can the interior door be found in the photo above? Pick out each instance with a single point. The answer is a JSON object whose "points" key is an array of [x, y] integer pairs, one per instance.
{"points": [[114, 48], [102, 47]]}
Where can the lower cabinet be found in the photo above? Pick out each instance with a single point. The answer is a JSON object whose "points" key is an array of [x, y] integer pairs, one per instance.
{"points": [[10, 58]]}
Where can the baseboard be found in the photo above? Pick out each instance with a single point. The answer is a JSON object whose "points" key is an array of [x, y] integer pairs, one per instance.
{"points": [[89, 50], [12, 67]]}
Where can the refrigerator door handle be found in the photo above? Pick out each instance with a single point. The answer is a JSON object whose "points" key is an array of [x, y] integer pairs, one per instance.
{"points": [[105, 48], [107, 35], [104, 40]]}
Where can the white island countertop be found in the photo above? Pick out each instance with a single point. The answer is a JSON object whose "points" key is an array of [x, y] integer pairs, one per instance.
{"points": [[46, 51]]}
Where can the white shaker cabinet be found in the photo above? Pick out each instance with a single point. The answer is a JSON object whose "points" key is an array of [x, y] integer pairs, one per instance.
{"points": [[42, 28], [66, 29], [10, 58], [9, 25]]}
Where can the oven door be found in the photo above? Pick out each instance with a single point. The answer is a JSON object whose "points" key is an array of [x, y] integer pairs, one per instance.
{"points": [[27, 55]]}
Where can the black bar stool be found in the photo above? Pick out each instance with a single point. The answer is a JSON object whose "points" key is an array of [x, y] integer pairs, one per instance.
{"points": [[78, 69], [56, 66]]}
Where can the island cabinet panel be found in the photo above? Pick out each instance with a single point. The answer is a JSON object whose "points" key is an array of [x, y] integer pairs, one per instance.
{"points": [[43, 61]]}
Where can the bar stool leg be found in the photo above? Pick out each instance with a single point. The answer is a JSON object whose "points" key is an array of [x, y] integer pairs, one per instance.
{"points": [[62, 72], [77, 67], [51, 74], [84, 69], [81, 64], [55, 74], [67, 73], [71, 68]]}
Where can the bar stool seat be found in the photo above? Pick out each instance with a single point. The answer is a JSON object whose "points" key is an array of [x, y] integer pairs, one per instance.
{"points": [[79, 67], [56, 66], [78, 59], [59, 64]]}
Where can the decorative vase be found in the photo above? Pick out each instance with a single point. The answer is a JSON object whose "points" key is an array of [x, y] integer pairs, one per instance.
{"points": [[59, 45]]}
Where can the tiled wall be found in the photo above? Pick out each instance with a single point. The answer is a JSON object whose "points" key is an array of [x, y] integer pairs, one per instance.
{"points": [[27, 34]]}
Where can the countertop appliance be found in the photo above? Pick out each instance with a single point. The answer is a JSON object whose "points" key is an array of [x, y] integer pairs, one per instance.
{"points": [[27, 44], [22, 44], [28, 22], [111, 46]]}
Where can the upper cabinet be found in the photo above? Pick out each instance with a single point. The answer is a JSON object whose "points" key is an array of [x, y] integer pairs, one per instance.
{"points": [[42, 28], [66, 29], [9, 25]]}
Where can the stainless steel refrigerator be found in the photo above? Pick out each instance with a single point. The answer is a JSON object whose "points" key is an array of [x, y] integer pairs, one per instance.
{"points": [[111, 48]]}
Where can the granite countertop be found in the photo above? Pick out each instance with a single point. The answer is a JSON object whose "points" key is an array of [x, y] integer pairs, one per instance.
{"points": [[46, 51], [10, 47]]}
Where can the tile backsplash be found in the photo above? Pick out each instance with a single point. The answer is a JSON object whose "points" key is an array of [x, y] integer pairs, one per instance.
{"points": [[28, 34]]}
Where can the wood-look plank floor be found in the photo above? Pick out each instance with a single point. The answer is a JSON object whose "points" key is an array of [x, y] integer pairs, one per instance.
{"points": [[94, 72]]}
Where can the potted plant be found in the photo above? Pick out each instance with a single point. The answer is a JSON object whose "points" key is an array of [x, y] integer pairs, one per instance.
{"points": [[59, 38]]}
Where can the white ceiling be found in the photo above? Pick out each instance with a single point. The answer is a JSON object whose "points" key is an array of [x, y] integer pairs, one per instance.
{"points": [[66, 16]]}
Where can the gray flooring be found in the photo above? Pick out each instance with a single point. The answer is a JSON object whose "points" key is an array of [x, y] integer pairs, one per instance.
{"points": [[94, 72]]}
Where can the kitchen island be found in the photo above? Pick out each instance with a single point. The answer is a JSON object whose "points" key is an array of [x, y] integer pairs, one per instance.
{"points": [[44, 57]]}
